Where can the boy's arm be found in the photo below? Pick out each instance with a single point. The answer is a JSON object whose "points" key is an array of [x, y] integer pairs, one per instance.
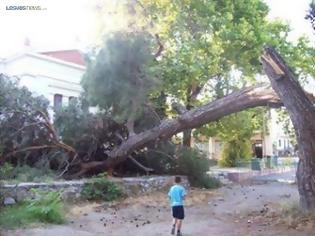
{"points": [[184, 193]]}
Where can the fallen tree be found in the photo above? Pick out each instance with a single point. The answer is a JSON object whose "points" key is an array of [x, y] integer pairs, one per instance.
{"points": [[259, 95]]}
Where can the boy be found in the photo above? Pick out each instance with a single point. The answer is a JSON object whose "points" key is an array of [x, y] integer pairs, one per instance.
{"points": [[177, 195]]}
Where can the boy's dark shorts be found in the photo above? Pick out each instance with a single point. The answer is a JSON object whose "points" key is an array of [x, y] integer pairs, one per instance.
{"points": [[178, 212]]}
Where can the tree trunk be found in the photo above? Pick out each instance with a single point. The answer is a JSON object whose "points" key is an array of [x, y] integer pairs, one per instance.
{"points": [[260, 95], [302, 114], [187, 138], [192, 93]]}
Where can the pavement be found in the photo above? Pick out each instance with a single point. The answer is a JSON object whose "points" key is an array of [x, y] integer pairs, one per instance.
{"points": [[284, 177]]}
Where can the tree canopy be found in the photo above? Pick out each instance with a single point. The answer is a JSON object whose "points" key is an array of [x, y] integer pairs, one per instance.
{"points": [[311, 14], [210, 48], [120, 75]]}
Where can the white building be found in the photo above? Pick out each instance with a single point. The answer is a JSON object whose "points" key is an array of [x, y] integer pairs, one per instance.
{"points": [[54, 74]]}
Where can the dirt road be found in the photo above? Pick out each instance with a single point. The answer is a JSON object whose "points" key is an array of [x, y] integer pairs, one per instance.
{"points": [[231, 211]]}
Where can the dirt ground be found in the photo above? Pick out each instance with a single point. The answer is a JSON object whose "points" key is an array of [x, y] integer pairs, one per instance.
{"points": [[231, 210]]}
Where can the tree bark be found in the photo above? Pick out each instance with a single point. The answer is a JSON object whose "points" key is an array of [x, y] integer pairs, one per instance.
{"points": [[302, 114], [192, 93], [187, 138]]}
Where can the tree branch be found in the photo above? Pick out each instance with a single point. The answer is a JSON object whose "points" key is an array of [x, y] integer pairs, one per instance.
{"points": [[179, 108], [161, 47], [24, 127], [146, 169], [163, 153], [153, 111], [32, 148]]}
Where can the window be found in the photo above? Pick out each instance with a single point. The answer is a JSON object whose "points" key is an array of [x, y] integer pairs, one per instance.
{"points": [[71, 98], [279, 142], [57, 101]]}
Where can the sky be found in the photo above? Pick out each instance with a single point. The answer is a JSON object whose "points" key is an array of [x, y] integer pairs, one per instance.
{"points": [[68, 24], [65, 24]]}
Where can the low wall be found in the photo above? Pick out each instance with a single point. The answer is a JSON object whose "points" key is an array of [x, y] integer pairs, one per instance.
{"points": [[237, 175], [71, 190], [242, 176]]}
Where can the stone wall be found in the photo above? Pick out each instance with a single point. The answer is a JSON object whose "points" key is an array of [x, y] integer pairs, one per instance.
{"points": [[71, 190]]}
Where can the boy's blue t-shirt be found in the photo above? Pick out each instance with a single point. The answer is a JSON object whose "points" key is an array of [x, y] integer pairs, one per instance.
{"points": [[176, 195]]}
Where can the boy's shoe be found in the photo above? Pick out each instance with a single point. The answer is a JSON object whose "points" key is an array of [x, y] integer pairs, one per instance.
{"points": [[173, 231], [179, 234]]}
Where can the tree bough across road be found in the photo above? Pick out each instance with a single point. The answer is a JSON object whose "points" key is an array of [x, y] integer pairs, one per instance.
{"points": [[259, 95]]}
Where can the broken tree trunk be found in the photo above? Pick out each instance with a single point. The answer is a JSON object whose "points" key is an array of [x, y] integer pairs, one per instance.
{"points": [[302, 114]]}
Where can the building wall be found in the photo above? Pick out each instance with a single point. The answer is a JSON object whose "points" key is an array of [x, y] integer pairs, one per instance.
{"points": [[215, 148], [278, 139], [45, 77]]}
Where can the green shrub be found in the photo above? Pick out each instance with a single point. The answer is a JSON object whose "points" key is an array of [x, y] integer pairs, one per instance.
{"points": [[161, 159], [46, 207], [195, 166], [6, 171], [213, 162], [235, 152], [100, 188], [25, 173], [209, 182]]}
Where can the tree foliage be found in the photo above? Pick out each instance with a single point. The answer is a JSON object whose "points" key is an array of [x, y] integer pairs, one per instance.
{"points": [[91, 134], [19, 114], [235, 132], [207, 43], [311, 14], [120, 75], [26, 134], [236, 153]]}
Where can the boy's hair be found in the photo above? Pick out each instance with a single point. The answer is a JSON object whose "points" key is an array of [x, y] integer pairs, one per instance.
{"points": [[177, 179]]}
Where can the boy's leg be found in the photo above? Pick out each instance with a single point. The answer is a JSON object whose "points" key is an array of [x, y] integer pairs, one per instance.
{"points": [[174, 221], [174, 225], [179, 225], [180, 220]]}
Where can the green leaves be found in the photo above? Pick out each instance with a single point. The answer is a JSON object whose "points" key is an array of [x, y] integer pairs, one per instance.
{"points": [[311, 14], [21, 122], [100, 188], [46, 207], [235, 131], [91, 134], [236, 153], [121, 74], [238, 126]]}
